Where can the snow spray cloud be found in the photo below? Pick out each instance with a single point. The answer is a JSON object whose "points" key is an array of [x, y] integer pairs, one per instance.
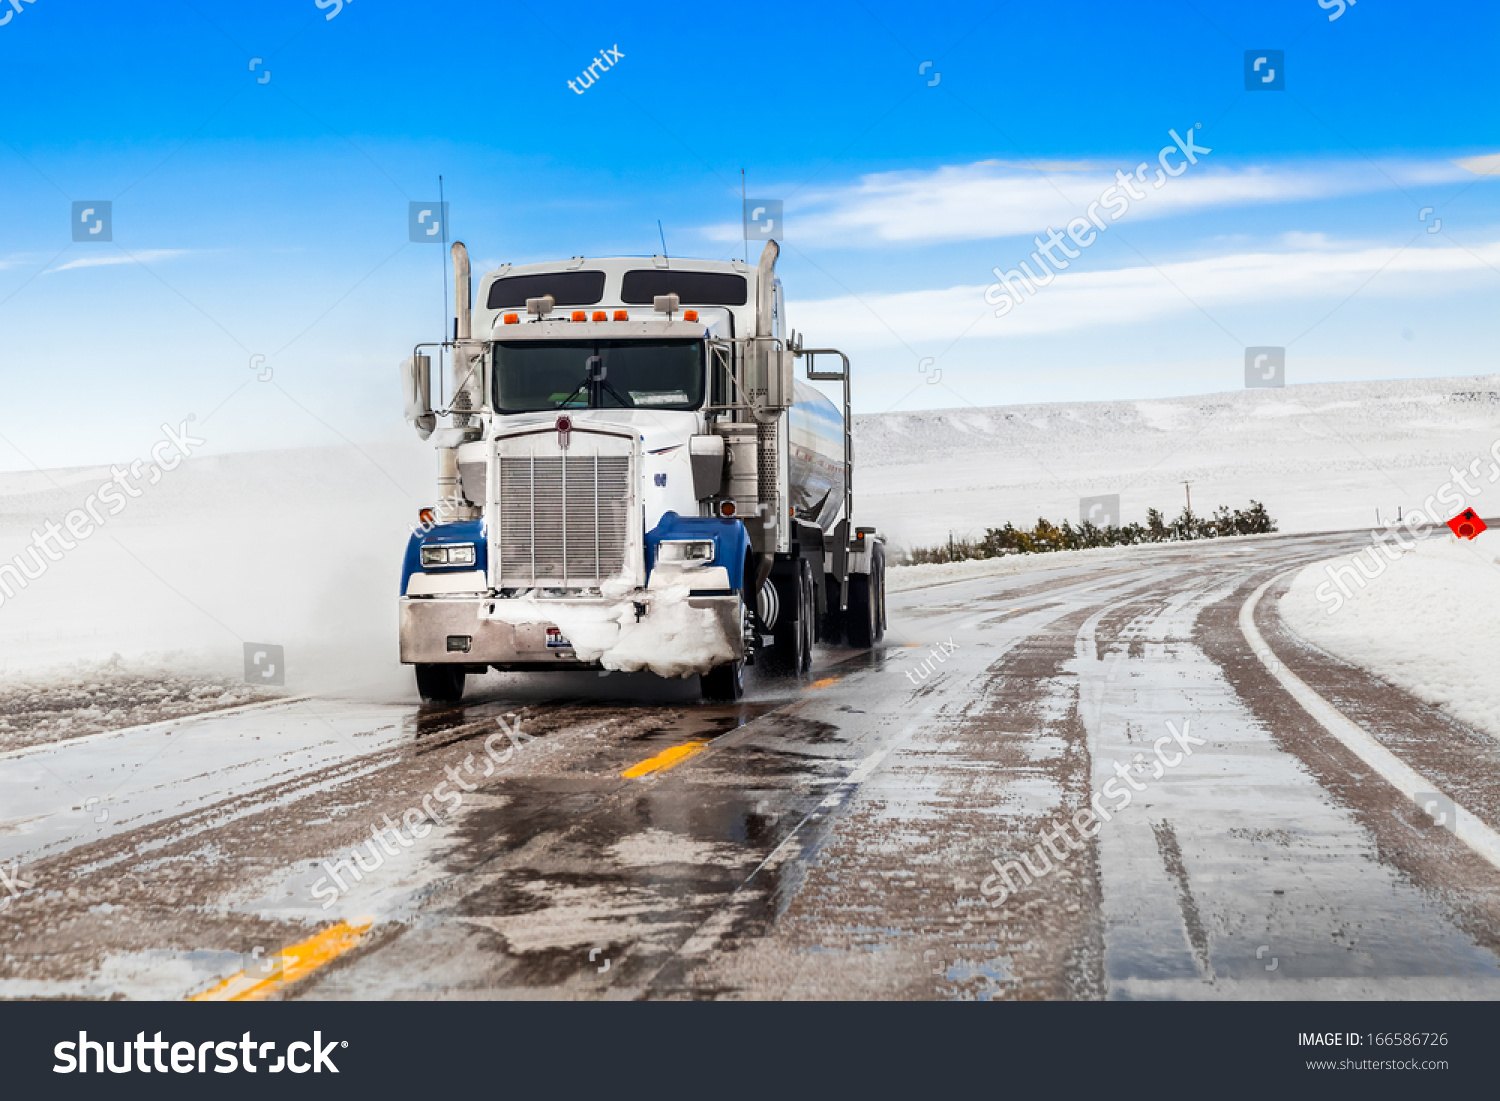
{"points": [[419, 819], [51, 545], [1419, 523], [1005, 294], [1087, 821]]}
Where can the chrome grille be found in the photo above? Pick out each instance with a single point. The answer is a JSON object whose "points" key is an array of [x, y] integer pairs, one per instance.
{"points": [[563, 519]]}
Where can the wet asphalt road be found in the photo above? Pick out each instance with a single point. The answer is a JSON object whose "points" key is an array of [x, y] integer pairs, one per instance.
{"points": [[834, 837]]}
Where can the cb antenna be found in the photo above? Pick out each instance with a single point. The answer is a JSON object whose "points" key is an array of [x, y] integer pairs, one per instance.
{"points": [[663, 240]]}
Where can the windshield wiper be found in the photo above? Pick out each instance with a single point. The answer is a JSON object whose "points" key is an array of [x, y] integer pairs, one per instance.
{"points": [[593, 382]]}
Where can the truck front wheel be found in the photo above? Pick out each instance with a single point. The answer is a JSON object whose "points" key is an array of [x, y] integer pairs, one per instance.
{"points": [[726, 683], [440, 683]]}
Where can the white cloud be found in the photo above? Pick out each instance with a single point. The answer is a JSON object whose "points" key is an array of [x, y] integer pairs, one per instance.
{"points": [[1488, 165], [1001, 199], [1131, 295], [144, 256]]}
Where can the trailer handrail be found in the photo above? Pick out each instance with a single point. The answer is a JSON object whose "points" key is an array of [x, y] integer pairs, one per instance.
{"points": [[815, 375]]}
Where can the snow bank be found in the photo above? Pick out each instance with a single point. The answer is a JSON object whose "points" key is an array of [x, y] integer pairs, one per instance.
{"points": [[1429, 621]]}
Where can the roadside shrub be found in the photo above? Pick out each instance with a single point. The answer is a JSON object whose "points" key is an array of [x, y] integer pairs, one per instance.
{"points": [[1046, 536]]}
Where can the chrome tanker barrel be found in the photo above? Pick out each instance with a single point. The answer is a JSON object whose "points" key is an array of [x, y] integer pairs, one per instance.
{"points": [[816, 457]]}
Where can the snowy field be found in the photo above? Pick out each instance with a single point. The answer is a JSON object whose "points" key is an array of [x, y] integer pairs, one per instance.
{"points": [[1321, 457], [1428, 622], [302, 548]]}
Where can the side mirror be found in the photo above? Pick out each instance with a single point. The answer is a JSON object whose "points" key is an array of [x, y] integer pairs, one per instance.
{"points": [[771, 378], [416, 386]]}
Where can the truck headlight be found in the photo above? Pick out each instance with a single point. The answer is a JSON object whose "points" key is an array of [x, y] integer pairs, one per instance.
{"points": [[685, 552], [448, 554]]}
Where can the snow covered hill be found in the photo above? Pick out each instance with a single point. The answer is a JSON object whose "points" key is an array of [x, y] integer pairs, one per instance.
{"points": [[1321, 457]]}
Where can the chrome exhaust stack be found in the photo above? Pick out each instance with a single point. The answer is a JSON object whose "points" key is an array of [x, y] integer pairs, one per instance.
{"points": [[467, 376]]}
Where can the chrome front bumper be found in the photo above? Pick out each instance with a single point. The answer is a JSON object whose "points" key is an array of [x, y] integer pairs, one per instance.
{"points": [[463, 630]]}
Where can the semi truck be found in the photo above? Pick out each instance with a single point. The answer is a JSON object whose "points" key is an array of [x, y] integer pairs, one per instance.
{"points": [[631, 477]]}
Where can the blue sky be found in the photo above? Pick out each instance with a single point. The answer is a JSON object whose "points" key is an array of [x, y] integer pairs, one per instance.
{"points": [[258, 216]]}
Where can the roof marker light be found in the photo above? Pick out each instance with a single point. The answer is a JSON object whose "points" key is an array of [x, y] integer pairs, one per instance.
{"points": [[580, 315], [600, 315], [622, 315], [512, 319], [690, 315]]}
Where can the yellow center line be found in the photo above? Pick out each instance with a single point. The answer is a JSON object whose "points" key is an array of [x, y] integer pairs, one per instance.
{"points": [[667, 758], [291, 964]]}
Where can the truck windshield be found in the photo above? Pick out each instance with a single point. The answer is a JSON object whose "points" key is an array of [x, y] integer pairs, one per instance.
{"points": [[536, 375]]}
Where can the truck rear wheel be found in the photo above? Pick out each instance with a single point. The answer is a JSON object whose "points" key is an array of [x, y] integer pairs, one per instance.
{"points": [[865, 618], [440, 683], [791, 639], [806, 620]]}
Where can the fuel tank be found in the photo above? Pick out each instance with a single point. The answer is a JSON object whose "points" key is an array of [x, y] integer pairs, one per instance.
{"points": [[816, 457]]}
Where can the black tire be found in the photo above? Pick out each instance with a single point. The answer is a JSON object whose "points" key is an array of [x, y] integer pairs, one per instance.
{"points": [[440, 683], [832, 631], [865, 619], [790, 653], [726, 683], [806, 621]]}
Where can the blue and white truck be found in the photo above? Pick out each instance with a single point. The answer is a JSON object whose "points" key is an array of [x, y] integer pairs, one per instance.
{"points": [[631, 478]]}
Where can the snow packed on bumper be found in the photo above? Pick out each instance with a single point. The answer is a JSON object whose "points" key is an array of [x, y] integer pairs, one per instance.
{"points": [[673, 639]]}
